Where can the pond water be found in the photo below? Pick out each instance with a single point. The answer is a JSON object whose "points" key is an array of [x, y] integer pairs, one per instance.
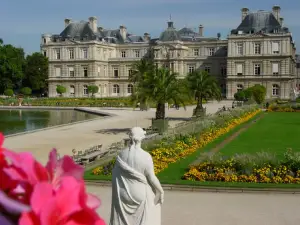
{"points": [[15, 121]]}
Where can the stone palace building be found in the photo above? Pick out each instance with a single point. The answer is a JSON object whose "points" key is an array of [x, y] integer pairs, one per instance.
{"points": [[260, 50]]}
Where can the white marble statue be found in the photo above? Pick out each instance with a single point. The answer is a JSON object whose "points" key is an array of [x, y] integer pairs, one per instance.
{"points": [[136, 192]]}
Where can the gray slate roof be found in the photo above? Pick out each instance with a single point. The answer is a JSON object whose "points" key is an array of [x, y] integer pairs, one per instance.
{"points": [[170, 34], [261, 21], [82, 31]]}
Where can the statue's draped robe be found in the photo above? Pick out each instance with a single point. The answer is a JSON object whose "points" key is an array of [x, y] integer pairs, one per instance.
{"points": [[132, 198]]}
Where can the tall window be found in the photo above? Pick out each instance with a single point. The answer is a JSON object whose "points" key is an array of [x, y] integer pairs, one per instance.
{"points": [[105, 71], [137, 53], [275, 90], [45, 53], [85, 53], [257, 48], [71, 71], [191, 68], [99, 71], [123, 54], [240, 49], [85, 90], [116, 72], [57, 53], [129, 88], [275, 68], [196, 52], [207, 69], [85, 71], [239, 69], [71, 53], [116, 89], [129, 72], [223, 70], [211, 51], [257, 69], [57, 71], [275, 47], [240, 87], [72, 90]]}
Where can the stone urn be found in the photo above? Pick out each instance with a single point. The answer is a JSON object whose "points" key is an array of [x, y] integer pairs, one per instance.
{"points": [[20, 100]]}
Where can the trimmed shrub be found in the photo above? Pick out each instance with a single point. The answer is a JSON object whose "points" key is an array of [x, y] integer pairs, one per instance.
{"points": [[26, 91], [9, 92]]}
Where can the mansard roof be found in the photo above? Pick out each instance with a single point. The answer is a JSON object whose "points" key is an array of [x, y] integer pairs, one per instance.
{"points": [[170, 34], [83, 31], [260, 21], [80, 29]]}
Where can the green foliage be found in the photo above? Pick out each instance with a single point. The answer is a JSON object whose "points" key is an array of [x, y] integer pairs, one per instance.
{"points": [[26, 91], [92, 89], [36, 72], [157, 85], [203, 87], [259, 93], [11, 67], [240, 96], [9, 92], [60, 89]]}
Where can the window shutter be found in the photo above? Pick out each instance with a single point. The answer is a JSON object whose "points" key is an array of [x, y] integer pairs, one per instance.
{"points": [[239, 68], [275, 46], [275, 68]]}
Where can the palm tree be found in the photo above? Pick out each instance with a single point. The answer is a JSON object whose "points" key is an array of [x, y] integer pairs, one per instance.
{"points": [[160, 86], [203, 86]]}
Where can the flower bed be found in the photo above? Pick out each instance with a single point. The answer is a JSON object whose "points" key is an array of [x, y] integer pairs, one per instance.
{"points": [[284, 108], [170, 151], [261, 167]]}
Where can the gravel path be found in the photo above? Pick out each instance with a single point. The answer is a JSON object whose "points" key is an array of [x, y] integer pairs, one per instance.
{"points": [[197, 208], [103, 131]]}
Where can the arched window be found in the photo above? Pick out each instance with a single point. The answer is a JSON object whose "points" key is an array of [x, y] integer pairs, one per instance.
{"points": [[240, 87], [116, 89], [85, 90], [100, 89], [72, 90], [275, 89], [129, 88]]}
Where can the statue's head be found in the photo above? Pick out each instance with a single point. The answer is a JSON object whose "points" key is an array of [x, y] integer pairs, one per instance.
{"points": [[137, 134]]}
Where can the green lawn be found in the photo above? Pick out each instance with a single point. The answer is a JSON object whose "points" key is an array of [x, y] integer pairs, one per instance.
{"points": [[175, 171], [275, 131]]}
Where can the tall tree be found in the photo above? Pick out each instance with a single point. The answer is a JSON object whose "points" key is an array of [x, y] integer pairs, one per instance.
{"points": [[36, 72], [203, 87], [160, 87], [11, 66]]}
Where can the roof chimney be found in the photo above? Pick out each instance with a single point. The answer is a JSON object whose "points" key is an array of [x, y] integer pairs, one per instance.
{"points": [[67, 22], [146, 37], [123, 32], [281, 21], [201, 27], [245, 12], [93, 23], [276, 12]]}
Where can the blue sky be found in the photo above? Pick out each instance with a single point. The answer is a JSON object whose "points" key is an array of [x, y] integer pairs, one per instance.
{"points": [[23, 21]]}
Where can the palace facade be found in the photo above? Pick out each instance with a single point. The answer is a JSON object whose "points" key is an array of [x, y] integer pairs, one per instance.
{"points": [[259, 51]]}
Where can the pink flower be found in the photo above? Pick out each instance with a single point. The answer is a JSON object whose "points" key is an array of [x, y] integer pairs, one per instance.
{"points": [[55, 206]]}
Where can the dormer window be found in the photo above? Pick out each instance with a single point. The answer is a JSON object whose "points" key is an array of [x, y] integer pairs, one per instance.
{"points": [[240, 32], [45, 41], [276, 31]]}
